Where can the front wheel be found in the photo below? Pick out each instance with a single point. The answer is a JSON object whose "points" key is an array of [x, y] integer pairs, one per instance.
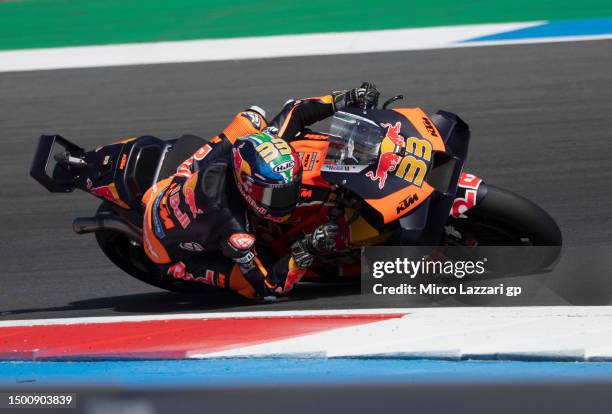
{"points": [[503, 218]]}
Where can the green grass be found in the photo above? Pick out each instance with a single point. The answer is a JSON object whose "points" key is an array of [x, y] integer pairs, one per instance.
{"points": [[52, 23]]}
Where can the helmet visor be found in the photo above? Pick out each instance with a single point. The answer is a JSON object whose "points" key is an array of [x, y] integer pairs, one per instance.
{"points": [[278, 198]]}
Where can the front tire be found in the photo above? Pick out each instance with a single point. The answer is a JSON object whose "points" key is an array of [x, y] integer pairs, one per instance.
{"points": [[503, 218]]}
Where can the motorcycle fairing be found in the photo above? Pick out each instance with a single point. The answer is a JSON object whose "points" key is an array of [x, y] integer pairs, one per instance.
{"points": [[425, 224], [401, 202], [357, 180], [395, 199], [417, 208], [130, 167]]}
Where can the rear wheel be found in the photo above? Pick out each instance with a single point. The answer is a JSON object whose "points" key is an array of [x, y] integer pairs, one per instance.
{"points": [[130, 257]]}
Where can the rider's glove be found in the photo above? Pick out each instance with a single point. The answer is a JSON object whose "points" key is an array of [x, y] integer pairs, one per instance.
{"points": [[366, 96], [301, 256], [322, 240]]}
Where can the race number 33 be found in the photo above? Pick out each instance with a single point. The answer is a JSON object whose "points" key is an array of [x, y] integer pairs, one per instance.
{"points": [[270, 150], [413, 167]]}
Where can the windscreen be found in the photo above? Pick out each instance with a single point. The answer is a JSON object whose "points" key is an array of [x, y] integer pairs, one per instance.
{"points": [[354, 140]]}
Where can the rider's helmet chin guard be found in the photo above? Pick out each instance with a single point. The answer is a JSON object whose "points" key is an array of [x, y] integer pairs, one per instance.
{"points": [[268, 175]]}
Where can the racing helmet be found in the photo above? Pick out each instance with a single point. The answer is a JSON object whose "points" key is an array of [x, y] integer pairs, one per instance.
{"points": [[268, 174]]}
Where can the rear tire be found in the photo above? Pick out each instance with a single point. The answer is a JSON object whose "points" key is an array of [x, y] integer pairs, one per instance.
{"points": [[132, 259]]}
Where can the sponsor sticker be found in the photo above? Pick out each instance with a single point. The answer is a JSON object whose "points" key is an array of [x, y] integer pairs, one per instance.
{"points": [[308, 160], [175, 202], [242, 241], [407, 202], [202, 152], [388, 157], [407, 157], [343, 168], [284, 166], [158, 227], [123, 162], [429, 126], [469, 183]]}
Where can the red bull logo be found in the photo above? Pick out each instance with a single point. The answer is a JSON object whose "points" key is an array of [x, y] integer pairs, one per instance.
{"points": [[238, 161], [190, 201], [104, 192], [189, 193], [393, 133], [179, 271], [388, 157]]}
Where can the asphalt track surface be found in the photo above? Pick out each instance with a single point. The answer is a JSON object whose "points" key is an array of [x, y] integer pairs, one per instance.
{"points": [[541, 119]]}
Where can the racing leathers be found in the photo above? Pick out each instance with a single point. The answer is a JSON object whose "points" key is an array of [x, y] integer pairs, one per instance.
{"points": [[196, 224]]}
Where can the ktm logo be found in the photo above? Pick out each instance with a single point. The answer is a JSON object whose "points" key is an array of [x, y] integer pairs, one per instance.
{"points": [[429, 127], [304, 193], [407, 202], [308, 160]]}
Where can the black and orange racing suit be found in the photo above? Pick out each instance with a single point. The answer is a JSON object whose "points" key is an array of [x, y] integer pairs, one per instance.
{"points": [[196, 225]]}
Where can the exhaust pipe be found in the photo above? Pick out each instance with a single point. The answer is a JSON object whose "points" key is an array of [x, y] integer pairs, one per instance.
{"points": [[83, 225]]}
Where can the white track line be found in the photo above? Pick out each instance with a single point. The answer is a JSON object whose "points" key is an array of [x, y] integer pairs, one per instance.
{"points": [[218, 315], [250, 47], [556, 333], [530, 41]]}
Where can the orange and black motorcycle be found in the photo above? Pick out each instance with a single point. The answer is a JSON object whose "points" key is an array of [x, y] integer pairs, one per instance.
{"points": [[386, 176]]}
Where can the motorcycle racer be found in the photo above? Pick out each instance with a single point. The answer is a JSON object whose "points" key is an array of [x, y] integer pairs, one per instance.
{"points": [[196, 225]]}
